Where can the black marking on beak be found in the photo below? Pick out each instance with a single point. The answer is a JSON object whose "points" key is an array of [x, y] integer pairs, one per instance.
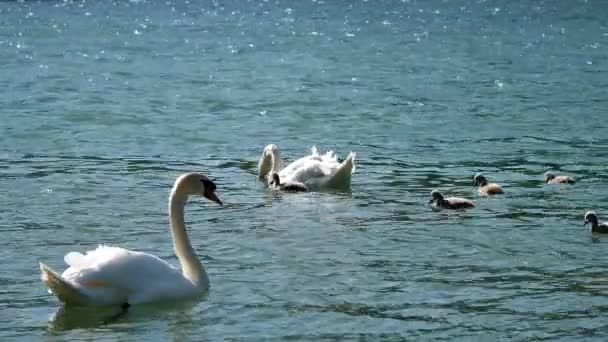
{"points": [[209, 185]]}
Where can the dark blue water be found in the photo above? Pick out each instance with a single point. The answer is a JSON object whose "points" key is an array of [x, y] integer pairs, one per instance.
{"points": [[105, 103]]}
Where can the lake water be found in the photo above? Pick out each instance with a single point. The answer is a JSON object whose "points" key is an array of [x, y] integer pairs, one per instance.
{"points": [[105, 103]]}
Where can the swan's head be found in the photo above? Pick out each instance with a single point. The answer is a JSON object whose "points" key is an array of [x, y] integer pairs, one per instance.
{"points": [[549, 176], [479, 180], [436, 196], [196, 184], [270, 160], [590, 217]]}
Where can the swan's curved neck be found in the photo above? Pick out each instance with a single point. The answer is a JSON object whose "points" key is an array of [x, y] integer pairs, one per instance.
{"points": [[192, 267], [275, 162], [269, 164]]}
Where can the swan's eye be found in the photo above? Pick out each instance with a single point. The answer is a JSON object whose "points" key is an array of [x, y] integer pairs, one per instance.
{"points": [[208, 184]]}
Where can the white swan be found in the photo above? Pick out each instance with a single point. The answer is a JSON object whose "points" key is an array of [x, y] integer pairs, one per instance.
{"points": [[313, 172], [113, 275]]}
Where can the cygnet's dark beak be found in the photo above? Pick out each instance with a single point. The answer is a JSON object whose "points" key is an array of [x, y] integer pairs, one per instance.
{"points": [[431, 200], [210, 195], [586, 223]]}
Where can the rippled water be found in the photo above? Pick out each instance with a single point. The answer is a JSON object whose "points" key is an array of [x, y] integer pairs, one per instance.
{"points": [[104, 104]]}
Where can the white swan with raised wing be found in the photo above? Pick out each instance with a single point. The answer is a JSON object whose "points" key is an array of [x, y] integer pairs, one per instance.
{"points": [[313, 172], [118, 276]]}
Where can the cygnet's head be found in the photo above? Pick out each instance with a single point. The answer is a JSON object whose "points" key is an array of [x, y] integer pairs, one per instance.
{"points": [[479, 180], [436, 196], [549, 176], [276, 181], [590, 217], [196, 184]]}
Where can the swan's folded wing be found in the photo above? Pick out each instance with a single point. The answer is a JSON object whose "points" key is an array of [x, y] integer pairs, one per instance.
{"points": [[319, 171], [99, 256], [311, 170], [118, 268], [338, 175], [298, 164], [75, 259]]}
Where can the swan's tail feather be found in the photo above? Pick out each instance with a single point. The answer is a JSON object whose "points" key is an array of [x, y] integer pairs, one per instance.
{"points": [[60, 287], [341, 179], [350, 161], [314, 151]]}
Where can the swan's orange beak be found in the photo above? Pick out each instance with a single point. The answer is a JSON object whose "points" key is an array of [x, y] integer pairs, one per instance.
{"points": [[210, 195]]}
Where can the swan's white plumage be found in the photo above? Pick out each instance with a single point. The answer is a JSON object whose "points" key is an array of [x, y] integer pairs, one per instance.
{"points": [[74, 259], [113, 275], [316, 171]]}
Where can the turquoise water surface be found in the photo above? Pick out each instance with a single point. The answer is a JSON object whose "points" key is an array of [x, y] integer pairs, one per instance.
{"points": [[105, 103]]}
